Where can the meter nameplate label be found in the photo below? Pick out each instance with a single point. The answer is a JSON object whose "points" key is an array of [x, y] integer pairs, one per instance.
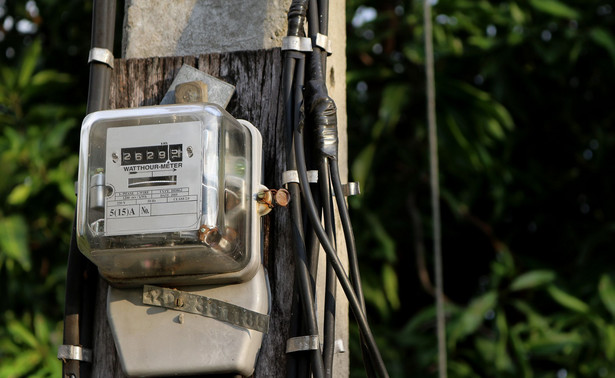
{"points": [[154, 173], [205, 306]]}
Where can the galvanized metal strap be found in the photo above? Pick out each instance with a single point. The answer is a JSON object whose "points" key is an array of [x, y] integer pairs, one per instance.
{"points": [[323, 42], [205, 306], [101, 55], [294, 43], [74, 352], [339, 346], [293, 176], [351, 189], [302, 343]]}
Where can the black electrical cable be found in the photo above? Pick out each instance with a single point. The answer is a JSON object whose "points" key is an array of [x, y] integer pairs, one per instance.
{"points": [[323, 20], [103, 34], [81, 274], [312, 17], [322, 116], [330, 281], [293, 103], [333, 259], [314, 23], [293, 100], [353, 263]]}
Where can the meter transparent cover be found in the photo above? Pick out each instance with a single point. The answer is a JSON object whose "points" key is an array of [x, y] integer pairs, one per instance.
{"points": [[167, 195]]}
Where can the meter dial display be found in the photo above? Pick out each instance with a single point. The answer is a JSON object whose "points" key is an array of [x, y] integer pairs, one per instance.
{"points": [[154, 184]]}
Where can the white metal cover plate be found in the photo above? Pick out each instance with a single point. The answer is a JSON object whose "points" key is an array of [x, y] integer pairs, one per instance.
{"points": [[155, 174]]}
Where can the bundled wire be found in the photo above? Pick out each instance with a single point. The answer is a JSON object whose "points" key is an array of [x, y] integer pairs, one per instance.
{"points": [[81, 274], [319, 114]]}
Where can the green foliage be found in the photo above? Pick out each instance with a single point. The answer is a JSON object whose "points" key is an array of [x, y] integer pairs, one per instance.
{"points": [[525, 140], [38, 170]]}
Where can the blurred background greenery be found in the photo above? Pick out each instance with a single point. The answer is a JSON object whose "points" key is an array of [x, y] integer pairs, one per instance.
{"points": [[525, 114]]}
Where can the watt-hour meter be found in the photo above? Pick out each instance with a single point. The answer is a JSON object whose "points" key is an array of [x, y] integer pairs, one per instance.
{"points": [[167, 210], [167, 195]]}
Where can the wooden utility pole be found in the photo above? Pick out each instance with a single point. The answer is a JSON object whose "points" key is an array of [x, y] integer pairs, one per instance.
{"points": [[238, 42]]}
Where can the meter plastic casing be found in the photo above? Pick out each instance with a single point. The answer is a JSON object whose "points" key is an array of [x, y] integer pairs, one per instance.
{"points": [[166, 195]]}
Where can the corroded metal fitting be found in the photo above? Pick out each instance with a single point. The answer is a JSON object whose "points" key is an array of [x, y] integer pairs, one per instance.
{"points": [[268, 199]]}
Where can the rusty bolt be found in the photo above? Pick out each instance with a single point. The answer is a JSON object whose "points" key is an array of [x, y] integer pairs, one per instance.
{"points": [[210, 236], [179, 302], [282, 197]]}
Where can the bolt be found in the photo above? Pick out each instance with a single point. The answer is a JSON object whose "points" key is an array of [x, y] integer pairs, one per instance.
{"points": [[189, 151], [282, 197], [114, 157]]}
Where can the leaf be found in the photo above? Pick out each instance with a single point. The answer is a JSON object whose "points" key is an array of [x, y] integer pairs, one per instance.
{"points": [[394, 100], [386, 242], [21, 333], [567, 300], [28, 64], [21, 365], [607, 293], [374, 295], [14, 240], [41, 328], [461, 369], [555, 8], [391, 285], [50, 77], [503, 362], [532, 279], [361, 167], [608, 337], [472, 317], [605, 39], [535, 320], [550, 343], [520, 349], [516, 13], [20, 194]]}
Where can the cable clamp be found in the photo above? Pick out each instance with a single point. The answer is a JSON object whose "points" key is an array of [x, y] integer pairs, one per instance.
{"points": [[339, 346], [295, 43], [293, 176], [302, 343], [101, 55], [322, 41], [351, 189], [74, 352]]}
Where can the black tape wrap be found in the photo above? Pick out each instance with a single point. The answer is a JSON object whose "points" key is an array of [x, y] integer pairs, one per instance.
{"points": [[323, 114], [296, 17]]}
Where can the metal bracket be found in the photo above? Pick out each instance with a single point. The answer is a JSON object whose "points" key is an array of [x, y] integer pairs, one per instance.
{"points": [[302, 343], [293, 176], [208, 307], [294, 43], [351, 189], [339, 346], [323, 42], [101, 55], [74, 352]]}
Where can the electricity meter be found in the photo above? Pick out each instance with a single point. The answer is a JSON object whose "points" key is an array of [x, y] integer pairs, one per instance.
{"points": [[167, 195]]}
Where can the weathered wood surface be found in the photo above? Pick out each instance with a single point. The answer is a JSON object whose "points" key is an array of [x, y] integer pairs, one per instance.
{"points": [[257, 77]]}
